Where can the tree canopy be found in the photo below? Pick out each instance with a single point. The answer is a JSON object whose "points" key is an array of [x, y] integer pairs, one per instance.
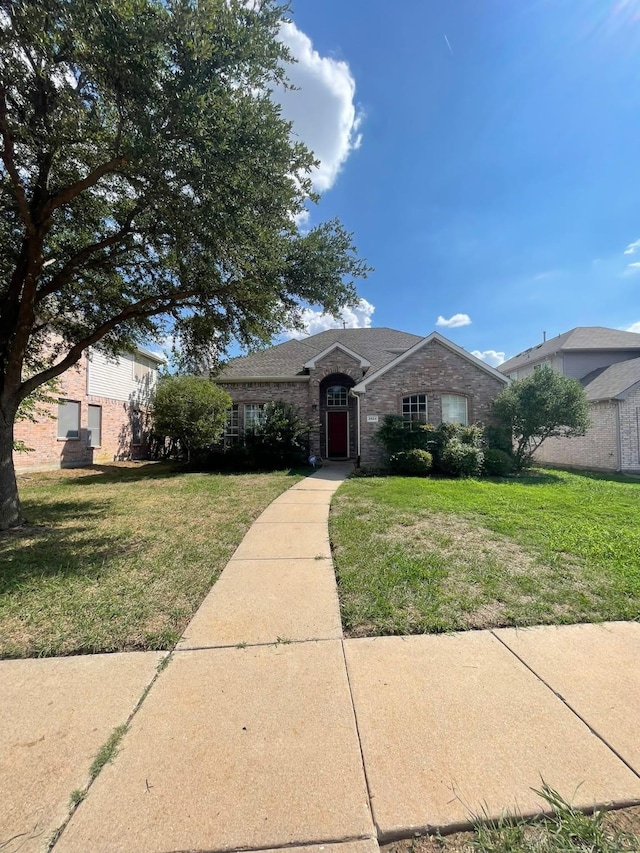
{"points": [[544, 404], [149, 185]]}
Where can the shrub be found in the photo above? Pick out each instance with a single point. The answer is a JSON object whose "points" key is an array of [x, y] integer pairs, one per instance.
{"points": [[496, 463], [191, 411], [411, 463], [498, 438], [280, 439], [461, 460]]}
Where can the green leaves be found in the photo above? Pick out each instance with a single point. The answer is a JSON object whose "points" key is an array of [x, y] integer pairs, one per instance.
{"points": [[541, 405]]}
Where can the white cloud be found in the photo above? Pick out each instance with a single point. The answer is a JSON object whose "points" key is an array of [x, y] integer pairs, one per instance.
{"points": [[490, 356], [632, 269], [352, 318], [632, 248], [322, 107], [455, 321], [634, 327]]}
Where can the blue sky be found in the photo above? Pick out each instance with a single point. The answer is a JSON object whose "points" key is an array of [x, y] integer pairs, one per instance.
{"points": [[484, 153]]}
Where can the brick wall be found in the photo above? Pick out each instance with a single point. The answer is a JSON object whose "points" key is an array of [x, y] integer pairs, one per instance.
{"points": [[435, 370], [51, 452], [598, 449], [630, 432]]}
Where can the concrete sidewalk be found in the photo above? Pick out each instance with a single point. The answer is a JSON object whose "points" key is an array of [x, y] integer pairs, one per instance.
{"points": [[266, 730]]}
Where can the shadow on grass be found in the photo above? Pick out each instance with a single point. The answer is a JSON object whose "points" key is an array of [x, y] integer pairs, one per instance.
{"points": [[42, 550], [108, 474], [604, 476]]}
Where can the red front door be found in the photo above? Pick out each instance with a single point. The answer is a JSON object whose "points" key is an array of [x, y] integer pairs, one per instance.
{"points": [[337, 437]]}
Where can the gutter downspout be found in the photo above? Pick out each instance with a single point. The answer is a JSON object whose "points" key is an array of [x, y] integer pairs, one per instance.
{"points": [[618, 437], [357, 398]]}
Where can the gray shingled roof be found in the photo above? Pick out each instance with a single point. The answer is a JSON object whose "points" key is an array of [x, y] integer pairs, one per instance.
{"points": [[378, 346], [612, 381], [580, 338]]}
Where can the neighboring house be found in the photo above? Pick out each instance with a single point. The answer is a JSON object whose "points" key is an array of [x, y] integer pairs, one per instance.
{"points": [[607, 363], [99, 416], [344, 381]]}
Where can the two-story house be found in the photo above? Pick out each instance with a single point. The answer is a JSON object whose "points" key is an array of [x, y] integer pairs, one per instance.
{"points": [[607, 363], [99, 416]]}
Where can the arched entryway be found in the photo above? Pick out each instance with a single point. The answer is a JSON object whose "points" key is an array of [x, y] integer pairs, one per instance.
{"points": [[337, 417]]}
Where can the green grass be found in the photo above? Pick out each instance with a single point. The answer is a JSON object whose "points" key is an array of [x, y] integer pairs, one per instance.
{"points": [[119, 557], [565, 830], [429, 555]]}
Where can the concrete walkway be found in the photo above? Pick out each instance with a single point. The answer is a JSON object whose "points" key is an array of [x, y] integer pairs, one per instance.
{"points": [[266, 730]]}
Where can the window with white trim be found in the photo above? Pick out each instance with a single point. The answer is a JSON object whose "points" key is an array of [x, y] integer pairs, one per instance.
{"points": [[454, 409], [68, 419], [253, 416], [232, 425], [136, 428], [337, 395], [414, 410]]}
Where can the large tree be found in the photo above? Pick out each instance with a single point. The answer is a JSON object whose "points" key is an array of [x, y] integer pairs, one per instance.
{"points": [[148, 185], [543, 405]]}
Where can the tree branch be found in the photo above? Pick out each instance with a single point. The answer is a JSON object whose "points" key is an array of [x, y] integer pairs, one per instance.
{"points": [[9, 162], [73, 190], [138, 310]]}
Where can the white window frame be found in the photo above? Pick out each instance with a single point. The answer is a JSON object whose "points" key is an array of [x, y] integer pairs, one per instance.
{"points": [[232, 424], [343, 399], [137, 433], [457, 398], [415, 410], [61, 404]]}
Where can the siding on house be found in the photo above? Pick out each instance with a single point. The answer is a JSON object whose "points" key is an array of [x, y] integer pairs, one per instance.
{"points": [[580, 364], [598, 449], [130, 378]]}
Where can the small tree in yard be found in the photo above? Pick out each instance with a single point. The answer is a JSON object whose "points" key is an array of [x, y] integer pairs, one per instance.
{"points": [[190, 410], [540, 406]]}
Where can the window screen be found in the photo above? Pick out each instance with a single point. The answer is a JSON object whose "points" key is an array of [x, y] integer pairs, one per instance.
{"points": [[68, 419], [94, 423], [414, 410]]}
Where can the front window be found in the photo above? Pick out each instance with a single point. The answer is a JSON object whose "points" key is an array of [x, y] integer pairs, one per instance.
{"points": [[68, 419], [454, 409], [253, 416], [414, 410], [336, 396]]}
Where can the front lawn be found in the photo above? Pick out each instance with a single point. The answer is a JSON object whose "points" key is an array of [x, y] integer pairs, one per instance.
{"points": [[425, 555], [119, 557]]}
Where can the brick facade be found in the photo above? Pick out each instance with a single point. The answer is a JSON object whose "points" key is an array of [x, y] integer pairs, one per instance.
{"points": [[52, 452], [630, 432], [433, 370], [598, 449]]}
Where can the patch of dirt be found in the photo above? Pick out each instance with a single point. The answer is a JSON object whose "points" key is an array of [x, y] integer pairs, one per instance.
{"points": [[457, 537]]}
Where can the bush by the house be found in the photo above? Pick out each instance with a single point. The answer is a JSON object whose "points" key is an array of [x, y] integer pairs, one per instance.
{"points": [[411, 463], [461, 460], [280, 439], [454, 450], [497, 463], [498, 437], [190, 411]]}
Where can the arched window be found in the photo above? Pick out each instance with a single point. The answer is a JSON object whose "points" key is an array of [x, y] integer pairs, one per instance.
{"points": [[414, 410], [454, 409], [336, 396]]}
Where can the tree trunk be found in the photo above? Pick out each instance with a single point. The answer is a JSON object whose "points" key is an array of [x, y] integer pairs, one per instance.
{"points": [[10, 510]]}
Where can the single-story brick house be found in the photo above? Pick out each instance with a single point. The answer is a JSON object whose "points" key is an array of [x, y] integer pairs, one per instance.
{"points": [[344, 381], [607, 363], [99, 416]]}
